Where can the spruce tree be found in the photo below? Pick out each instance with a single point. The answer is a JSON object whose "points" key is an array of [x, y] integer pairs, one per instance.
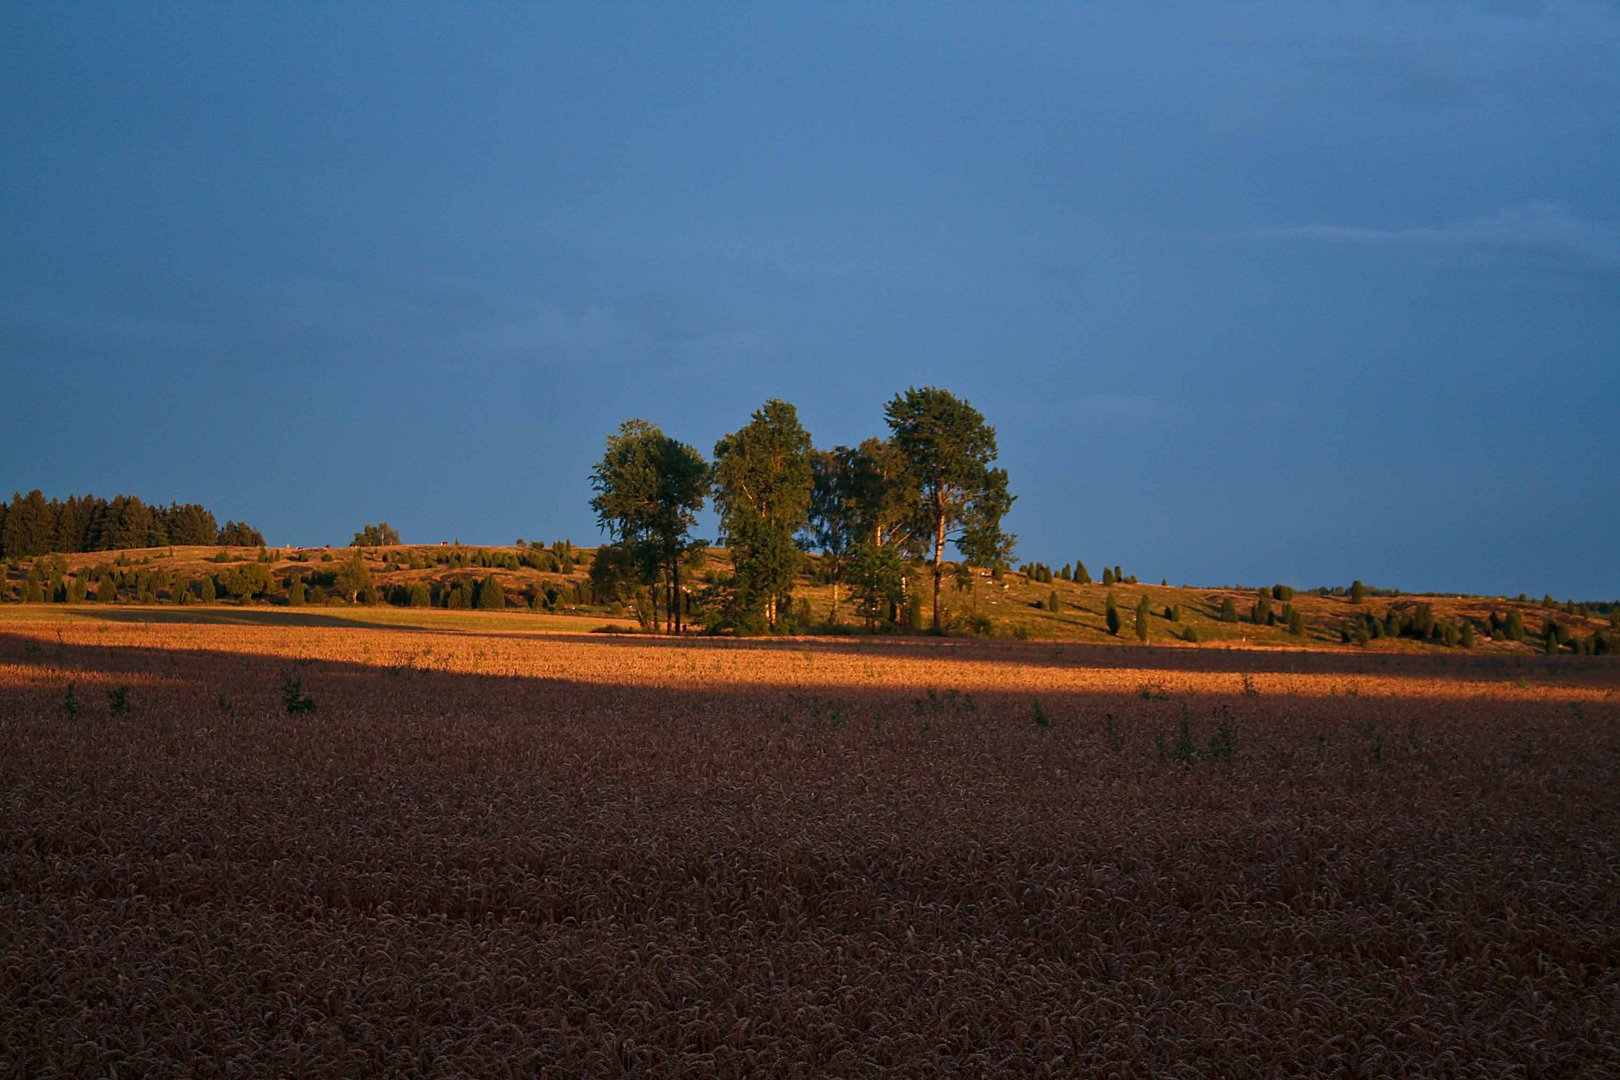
{"points": [[1108, 576], [1228, 610], [490, 595], [1143, 616], [28, 526], [209, 593], [1081, 574], [1111, 613], [1052, 602], [1358, 591]]}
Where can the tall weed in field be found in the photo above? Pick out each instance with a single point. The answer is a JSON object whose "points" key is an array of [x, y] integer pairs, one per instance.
{"points": [[1375, 742], [293, 698], [1223, 744], [1111, 731], [1184, 749]]}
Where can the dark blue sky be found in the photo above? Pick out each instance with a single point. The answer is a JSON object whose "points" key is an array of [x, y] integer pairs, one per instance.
{"points": [[1249, 294]]}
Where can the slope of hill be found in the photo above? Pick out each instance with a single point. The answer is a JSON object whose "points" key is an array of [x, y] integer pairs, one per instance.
{"points": [[556, 581]]}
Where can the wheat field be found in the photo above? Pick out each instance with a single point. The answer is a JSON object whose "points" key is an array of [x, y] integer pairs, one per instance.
{"points": [[300, 845]]}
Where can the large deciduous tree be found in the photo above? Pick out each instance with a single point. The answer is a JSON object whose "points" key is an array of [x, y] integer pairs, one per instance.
{"points": [[833, 527], [764, 482], [381, 534], [861, 520], [957, 495], [649, 489]]}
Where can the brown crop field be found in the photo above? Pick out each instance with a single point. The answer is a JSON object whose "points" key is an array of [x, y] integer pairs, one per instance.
{"points": [[272, 842]]}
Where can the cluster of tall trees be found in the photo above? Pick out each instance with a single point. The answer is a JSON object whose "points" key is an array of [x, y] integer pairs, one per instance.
{"points": [[872, 509], [381, 534], [32, 525]]}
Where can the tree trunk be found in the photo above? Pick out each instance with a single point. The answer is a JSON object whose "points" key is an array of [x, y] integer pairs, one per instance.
{"points": [[675, 595], [939, 560]]}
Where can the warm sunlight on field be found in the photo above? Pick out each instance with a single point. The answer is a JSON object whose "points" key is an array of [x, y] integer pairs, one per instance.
{"points": [[343, 843]]}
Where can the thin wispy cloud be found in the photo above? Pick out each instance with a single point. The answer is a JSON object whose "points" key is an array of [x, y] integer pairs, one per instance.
{"points": [[1547, 228]]}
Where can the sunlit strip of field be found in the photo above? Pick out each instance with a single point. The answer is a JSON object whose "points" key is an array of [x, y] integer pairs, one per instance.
{"points": [[555, 649]]}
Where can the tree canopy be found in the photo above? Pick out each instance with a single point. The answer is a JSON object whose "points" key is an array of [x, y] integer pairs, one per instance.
{"points": [[763, 486], [649, 489], [956, 493], [32, 525], [381, 534]]}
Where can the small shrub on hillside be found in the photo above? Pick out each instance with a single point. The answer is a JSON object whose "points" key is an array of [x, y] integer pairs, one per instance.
{"points": [[979, 625]]}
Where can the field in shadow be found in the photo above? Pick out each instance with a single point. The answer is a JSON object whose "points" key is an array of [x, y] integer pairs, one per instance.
{"points": [[605, 867]]}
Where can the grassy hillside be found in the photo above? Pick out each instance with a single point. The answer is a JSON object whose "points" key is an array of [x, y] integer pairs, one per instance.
{"points": [[1011, 605]]}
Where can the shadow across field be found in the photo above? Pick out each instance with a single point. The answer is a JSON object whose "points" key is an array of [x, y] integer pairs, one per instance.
{"points": [[772, 667], [261, 617], [1059, 655], [440, 621], [613, 856]]}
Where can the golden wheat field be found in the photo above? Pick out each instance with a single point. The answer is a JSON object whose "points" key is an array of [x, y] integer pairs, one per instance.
{"points": [[301, 845]]}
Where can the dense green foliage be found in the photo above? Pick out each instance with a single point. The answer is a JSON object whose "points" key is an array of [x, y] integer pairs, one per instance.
{"points": [[958, 495], [649, 489], [381, 534], [32, 525], [763, 487]]}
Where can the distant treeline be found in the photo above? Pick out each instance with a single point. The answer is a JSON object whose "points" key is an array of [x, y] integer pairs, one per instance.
{"points": [[30, 525], [1357, 591]]}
